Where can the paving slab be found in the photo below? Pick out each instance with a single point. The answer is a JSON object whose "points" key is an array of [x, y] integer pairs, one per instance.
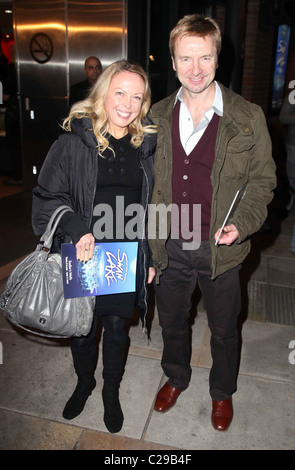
{"points": [[19, 431], [263, 417]]}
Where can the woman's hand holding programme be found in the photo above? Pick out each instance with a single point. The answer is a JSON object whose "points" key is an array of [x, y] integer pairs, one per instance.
{"points": [[85, 247]]}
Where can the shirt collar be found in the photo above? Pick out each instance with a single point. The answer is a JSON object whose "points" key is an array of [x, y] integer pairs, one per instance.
{"points": [[217, 103]]}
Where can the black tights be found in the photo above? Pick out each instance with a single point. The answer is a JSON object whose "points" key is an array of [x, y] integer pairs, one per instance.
{"points": [[114, 328], [84, 349]]}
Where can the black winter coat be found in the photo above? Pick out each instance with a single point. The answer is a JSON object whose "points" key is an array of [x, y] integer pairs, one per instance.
{"points": [[68, 176]]}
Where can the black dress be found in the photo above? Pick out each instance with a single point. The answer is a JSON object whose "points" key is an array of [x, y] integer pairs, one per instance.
{"points": [[119, 174]]}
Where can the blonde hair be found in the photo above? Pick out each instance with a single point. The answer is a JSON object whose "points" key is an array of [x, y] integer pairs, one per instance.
{"points": [[195, 25], [93, 106]]}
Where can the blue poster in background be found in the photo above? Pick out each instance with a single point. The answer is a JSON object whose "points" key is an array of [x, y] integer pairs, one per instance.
{"points": [[111, 270], [280, 66]]}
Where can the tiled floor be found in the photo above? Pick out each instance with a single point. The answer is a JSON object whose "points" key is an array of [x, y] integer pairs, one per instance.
{"points": [[36, 375]]}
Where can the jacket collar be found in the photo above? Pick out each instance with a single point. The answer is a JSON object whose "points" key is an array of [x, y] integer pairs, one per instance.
{"points": [[83, 128], [164, 108], [148, 146], [237, 112]]}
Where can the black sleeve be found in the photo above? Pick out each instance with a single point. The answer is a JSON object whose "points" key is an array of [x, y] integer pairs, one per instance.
{"points": [[53, 190], [72, 224]]}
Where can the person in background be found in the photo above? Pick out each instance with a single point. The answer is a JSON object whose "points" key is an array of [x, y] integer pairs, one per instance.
{"points": [[107, 151], [79, 91], [211, 142], [287, 117]]}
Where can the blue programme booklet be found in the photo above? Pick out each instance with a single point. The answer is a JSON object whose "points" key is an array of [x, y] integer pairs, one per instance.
{"points": [[111, 270]]}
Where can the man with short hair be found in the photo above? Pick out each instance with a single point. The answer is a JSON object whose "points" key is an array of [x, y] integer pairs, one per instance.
{"points": [[80, 90], [211, 142]]}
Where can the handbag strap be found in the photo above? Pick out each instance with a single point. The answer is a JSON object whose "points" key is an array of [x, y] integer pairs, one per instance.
{"points": [[52, 225]]}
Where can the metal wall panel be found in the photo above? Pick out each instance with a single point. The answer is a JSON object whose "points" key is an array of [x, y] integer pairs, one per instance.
{"points": [[53, 38], [42, 72], [95, 28], [41, 46]]}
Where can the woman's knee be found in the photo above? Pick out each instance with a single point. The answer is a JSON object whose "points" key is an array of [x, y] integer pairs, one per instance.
{"points": [[114, 325]]}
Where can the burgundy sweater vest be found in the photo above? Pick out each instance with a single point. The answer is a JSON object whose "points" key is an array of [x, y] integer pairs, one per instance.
{"points": [[191, 173]]}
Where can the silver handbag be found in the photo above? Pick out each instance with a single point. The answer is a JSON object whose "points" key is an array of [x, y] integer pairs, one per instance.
{"points": [[33, 298]]}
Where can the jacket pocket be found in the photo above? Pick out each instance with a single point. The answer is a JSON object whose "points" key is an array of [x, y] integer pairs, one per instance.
{"points": [[237, 159]]}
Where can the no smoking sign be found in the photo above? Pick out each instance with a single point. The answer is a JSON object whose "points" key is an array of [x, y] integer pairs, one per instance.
{"points": [[41, 48]]}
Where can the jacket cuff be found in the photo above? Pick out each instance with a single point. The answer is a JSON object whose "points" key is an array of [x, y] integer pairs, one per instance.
{"points": [[72, 224]]}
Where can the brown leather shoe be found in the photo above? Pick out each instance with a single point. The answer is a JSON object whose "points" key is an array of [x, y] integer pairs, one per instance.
{"points": [[166, 398], [222, 414]]}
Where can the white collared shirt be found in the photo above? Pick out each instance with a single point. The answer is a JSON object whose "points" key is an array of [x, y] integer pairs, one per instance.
{"points": [[189, 135]]}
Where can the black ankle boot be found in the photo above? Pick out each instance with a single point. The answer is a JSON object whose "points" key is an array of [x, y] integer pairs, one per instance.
{"points": [[84, 365], [113, 416], [76, 403]]}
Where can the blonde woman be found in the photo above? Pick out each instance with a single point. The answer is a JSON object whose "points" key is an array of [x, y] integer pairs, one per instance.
{"points": [[106, 151]]}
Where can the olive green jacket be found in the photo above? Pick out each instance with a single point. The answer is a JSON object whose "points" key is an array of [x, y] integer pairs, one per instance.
{"points": [[243, 154]]}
